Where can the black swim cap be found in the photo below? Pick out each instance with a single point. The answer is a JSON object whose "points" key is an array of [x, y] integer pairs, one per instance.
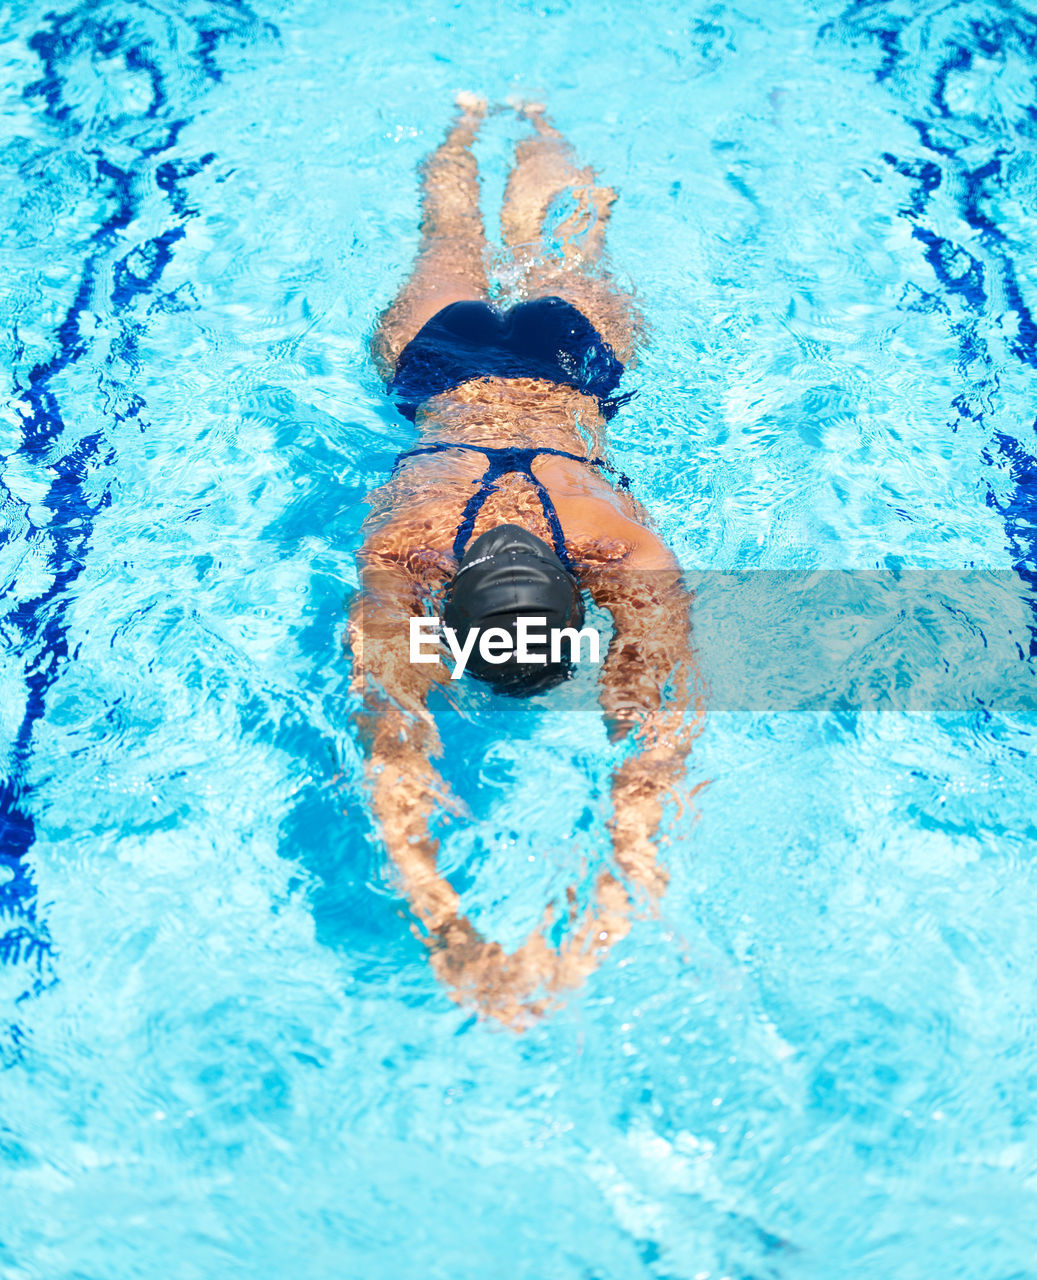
{"points": [[506, 574]]}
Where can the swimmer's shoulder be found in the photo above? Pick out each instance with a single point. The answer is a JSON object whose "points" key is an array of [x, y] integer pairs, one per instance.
{"points": [[600, 536], [418, 540], [638, 551]]}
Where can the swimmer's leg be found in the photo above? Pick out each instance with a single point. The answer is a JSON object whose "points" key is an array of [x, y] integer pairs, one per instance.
{"points": [[554, 219], [450, 264]]}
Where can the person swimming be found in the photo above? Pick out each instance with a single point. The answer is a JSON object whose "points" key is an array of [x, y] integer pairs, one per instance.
{"points": [[506, 512]]}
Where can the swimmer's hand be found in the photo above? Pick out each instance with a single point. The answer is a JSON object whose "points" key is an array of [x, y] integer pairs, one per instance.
{"points": [[509, 988], [518, 989]]}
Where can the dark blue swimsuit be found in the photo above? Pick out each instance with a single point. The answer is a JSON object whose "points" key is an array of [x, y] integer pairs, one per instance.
{"points": [[547, 338]]}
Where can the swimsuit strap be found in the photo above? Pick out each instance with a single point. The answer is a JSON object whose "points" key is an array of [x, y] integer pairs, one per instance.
{"points": [[504, 462]]}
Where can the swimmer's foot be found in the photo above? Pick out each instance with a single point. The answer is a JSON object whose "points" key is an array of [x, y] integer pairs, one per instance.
{"points": [[471, 114], [471, 105], [525, 108], [535, 113]]}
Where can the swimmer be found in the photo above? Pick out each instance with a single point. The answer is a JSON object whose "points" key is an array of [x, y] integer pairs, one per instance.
{"points": [[507, 508]]}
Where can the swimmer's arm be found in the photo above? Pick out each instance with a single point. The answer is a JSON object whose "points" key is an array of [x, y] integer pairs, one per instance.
{"points": [[393, 592], [515, 988], [396, 726], [649, 690], [406, 790]]}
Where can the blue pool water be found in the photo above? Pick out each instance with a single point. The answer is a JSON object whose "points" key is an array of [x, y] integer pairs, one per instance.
{"points": [[224, 1053]]}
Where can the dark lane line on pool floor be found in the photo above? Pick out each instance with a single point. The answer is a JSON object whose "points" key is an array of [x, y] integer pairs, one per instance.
{"points": [[959, 272], [40, 624]]}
